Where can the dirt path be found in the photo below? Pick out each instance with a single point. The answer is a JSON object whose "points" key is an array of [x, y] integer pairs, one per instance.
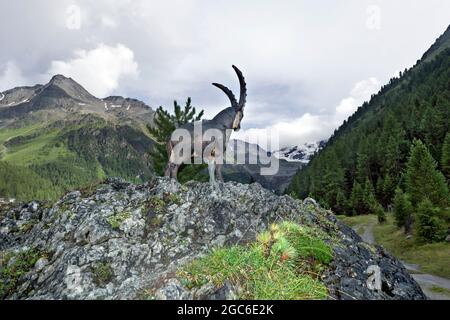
{"points": [[426, 281], [367, 234]]}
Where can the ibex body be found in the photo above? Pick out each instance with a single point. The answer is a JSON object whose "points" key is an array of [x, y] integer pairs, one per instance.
{"points": [[211, 140]]}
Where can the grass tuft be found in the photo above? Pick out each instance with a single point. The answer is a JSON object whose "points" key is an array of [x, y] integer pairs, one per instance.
{"points": [[102, 273], [116, 220], [13, 266], [156, 204], [277, 266]]}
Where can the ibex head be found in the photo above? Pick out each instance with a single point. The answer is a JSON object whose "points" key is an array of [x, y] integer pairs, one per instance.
{"points": [[238, 107]]}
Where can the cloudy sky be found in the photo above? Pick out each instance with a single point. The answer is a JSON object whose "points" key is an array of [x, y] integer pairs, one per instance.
{"points": [[308, 64]]}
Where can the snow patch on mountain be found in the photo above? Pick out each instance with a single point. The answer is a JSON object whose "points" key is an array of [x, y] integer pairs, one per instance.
{"points": [[301, 153]]}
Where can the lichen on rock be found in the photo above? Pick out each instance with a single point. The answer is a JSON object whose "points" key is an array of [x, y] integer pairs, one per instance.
{"points": [[123, 240]]}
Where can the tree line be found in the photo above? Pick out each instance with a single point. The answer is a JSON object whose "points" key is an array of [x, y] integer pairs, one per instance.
{"points": [[392, 154]]}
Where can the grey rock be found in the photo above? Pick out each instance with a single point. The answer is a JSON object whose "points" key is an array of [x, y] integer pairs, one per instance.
{"points": [[172, 290], [85, 256], [33, 206], [310, 201], [40, 264]]}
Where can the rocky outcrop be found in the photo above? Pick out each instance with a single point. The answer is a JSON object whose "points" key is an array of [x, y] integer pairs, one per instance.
{"points": [[126, 241]]}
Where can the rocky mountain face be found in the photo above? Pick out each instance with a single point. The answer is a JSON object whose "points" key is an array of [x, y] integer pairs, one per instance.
{"points": [[301, 153], [62, 98], [127, 241]]}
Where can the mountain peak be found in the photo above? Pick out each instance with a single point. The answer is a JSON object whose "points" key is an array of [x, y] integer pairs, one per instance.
{"points": [[62, 86], [301, 153], [63, 81], [63, 96], [59, 77]]}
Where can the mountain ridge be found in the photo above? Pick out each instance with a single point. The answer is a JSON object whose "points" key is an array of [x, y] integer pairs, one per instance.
{"points": [[370, 150], [439, 45], [61, 97]]}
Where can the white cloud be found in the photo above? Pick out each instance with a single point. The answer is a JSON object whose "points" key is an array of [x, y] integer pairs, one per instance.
{"points": [[11, 77], [299, 60], [108, 22], [310, 127], [99, 70], [361, 92], [287, 133]]}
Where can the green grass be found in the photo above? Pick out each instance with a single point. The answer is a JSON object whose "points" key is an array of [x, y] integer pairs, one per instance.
{"points": [[116, 220], [357, 220], [42, 148], [432, 258], [283, 264], [156, 204], [174, 198], [440, 290], [8, 133]]}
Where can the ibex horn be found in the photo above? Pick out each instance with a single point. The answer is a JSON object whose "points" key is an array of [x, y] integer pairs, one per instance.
{"points": [[229, 94], [243, 96]]}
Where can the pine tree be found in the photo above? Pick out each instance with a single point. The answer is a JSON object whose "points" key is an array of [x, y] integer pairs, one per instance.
{"points": [[332, 180], [445, 157], [164, 124], [429, 227], [369, 201], [434, 126], [379, 211], [422, 178], [363, 161], [341, 203], [389, 186], [403, 209], [379, 191], [357, 199], [392, 146]]}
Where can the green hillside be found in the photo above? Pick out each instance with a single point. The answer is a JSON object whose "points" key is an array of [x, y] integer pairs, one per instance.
{"points": [[42, 161], [381, 147]]}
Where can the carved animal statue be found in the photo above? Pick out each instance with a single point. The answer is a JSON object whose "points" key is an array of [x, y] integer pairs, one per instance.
{"points": [[212, 148]]}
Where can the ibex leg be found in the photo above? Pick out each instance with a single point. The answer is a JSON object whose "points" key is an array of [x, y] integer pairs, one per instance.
{"points": [[169, 148], [167, 170], [174, 170], [219, 172], [211, 170]]}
